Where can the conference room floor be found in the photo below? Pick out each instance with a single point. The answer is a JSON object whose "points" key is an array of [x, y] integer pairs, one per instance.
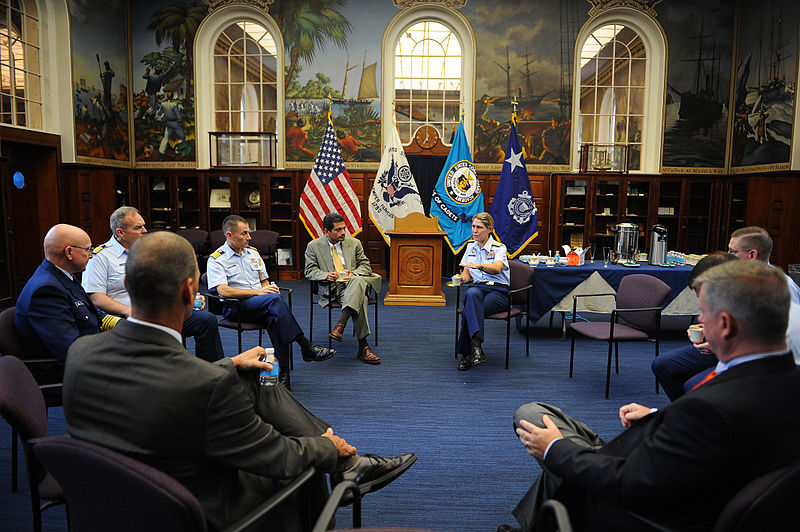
{"points": [[471, 469]]}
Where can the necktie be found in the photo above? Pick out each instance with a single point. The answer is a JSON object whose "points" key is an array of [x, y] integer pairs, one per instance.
{"points": [[705, 380], [337, 260]]}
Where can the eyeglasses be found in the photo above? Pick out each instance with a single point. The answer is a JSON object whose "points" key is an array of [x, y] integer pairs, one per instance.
{"points": [[87, 249], [735, 251]]}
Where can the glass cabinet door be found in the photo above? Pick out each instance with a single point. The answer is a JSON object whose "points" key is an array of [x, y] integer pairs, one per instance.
{"points": [[697, 216], [158, 191], [249, 200], [637, 200], [573, 212], [188, 202], [668, 209], [219, 200], [606, 206]]}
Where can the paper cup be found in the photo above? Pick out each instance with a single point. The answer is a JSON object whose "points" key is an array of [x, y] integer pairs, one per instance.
{"points": [[696, 333], [456, 280]]}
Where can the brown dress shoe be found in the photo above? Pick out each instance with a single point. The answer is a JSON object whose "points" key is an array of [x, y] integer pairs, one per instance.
{"points": [[337, 333], [366, 355]]}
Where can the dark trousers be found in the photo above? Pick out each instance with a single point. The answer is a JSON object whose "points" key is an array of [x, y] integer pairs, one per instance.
{"points": [[674, 369], [202, 325], [480, 300], [272, 311]]}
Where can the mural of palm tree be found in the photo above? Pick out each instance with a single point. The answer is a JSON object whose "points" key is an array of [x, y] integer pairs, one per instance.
{"points": [[177, 24], [308, 24]]}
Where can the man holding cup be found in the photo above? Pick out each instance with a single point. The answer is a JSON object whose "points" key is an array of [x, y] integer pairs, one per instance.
{"points": [[340, 263]]}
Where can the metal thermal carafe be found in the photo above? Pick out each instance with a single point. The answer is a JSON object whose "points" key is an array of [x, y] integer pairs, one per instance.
{"points": [[626, 242], [658, 245]]}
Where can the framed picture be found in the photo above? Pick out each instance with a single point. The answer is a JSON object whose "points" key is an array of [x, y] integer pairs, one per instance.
{"points": [[220, 198]]}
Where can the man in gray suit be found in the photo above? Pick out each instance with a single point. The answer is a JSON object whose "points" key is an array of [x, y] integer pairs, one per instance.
{"points": [[340, 261], [229, 441]]}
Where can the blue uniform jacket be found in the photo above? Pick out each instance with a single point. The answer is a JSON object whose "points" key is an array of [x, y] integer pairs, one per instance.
{"points": [[52, 311]]}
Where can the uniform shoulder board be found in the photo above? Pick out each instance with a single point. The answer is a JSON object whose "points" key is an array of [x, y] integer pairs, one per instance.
{"points": [[253, 248], [496, 244], [108, 322], [99, 248], [217, 253]]}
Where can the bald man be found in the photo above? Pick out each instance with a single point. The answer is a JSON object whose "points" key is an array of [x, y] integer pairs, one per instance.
{"points": [[53, 310]]}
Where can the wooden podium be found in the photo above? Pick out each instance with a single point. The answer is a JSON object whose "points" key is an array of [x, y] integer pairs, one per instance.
{"points": [[415, 263]]}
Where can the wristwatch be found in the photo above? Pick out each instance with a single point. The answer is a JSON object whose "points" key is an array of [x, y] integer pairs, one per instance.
{"points": [[481, 266]]}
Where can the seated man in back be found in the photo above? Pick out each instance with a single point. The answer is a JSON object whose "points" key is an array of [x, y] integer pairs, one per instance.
{"points": [[137, 390], [340, 260], [52, 309], [236, 271], [681, 464], [104, 282], [105, 275]]}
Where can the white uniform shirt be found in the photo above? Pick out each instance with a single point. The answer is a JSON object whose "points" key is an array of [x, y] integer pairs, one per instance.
{"points": [[491, 252], [237, 271], [105, 272]]}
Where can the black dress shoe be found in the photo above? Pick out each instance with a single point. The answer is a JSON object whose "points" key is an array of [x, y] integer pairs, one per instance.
{"points": [[507, 528], [372, 472], [317, 353], [473, 358], [284, 377]]}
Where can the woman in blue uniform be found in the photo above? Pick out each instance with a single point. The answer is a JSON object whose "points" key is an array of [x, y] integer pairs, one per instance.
{"points": [[486, 265]]}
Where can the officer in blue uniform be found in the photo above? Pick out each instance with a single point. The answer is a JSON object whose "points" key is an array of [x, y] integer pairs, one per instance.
{"points": [[236, 270], [104, 281], [486, 265], [52, 309]]}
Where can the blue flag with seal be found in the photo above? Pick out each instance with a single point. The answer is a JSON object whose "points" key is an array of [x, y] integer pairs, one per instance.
{"points": [[457, 196], [513, 209]]}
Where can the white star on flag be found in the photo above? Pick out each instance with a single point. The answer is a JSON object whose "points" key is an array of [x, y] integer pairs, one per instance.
{"points": [[514, 160]]}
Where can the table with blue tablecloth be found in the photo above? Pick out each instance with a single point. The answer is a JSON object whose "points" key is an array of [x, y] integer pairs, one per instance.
{"points": [[554, 287]]}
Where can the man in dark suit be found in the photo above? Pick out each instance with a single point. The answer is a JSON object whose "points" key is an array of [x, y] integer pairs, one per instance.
{"points": [[52, 309], [679, 465], [137, 390], [341, 262]]}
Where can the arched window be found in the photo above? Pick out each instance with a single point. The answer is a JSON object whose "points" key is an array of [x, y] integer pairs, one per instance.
{"points": [[20, 56], [620, 79], [239, 72], [429, 66], [245, 90], [427, 80]]}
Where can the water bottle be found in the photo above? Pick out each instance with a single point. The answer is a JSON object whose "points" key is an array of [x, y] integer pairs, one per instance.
{"points": [[269, 378], [198, 302], [558, 258]]}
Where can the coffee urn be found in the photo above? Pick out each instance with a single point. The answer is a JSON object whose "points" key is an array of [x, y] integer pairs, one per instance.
{"points": [[626, 242], [658, 245]]}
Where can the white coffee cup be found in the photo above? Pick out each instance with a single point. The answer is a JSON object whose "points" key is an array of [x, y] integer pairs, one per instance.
{"points": [[456, 280], [696, 333], [342, 275]]}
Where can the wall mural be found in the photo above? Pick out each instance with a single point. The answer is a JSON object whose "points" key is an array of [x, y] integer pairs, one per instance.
{"points": [[328, 61], [163, 77], [765, 85], [520, 56], [699, 37], [99, 73]]}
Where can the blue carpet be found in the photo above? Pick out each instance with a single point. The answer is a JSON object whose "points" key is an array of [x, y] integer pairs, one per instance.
{"points": [[471, 470]]}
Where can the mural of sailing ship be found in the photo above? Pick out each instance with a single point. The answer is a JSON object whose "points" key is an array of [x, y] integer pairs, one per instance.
{"points": [[544, 139], [701, 105], [356, 120], [765, 96], [697, 112]]}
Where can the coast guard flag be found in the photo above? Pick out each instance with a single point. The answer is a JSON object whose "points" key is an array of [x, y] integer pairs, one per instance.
{"points": [[394, 193], [328, 189], [513, 209], [457, 196]]}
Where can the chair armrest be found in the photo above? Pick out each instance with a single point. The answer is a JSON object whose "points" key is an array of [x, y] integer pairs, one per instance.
{"points": [[257, 513], [643, 309], [559, 512], [575, 301], [514, 291], [28, 361], [329, 510]]}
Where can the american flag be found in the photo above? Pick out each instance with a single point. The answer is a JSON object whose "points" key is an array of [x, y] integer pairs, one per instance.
{"points": [[329, 190]]}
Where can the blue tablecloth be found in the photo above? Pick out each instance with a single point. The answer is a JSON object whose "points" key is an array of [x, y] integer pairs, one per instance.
{"points": [[551, 285]]}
